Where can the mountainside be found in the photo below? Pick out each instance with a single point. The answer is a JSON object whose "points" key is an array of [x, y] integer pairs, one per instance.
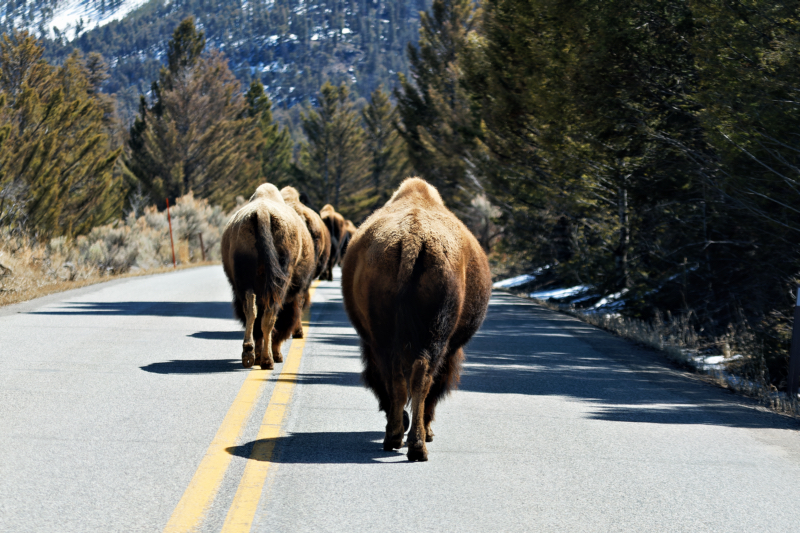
{"points": [[292, 46], [60, 19]]}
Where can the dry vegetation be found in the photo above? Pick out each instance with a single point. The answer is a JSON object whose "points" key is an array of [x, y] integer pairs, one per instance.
{"points": [[137, 245], [743, 369]]}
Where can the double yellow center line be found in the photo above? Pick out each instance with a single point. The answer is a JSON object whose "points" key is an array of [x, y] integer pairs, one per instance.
{"points": [[199, 495]]}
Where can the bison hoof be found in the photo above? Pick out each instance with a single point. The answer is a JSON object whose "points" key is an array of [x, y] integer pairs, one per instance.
{"points": [[266, 364], [298, 333], [248, 359], [417, 453], [406, 421], [277, 357], [392, 443]]}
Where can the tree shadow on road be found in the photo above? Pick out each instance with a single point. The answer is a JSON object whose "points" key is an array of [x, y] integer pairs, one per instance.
{"points": [[166, 309], [326, 447], [525, 349]]}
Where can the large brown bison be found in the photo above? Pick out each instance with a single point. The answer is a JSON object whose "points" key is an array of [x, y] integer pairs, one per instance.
{"points": [[335, 224], [316, 227], [268, 257], [416, 285], [348, 233], [319, 235]]}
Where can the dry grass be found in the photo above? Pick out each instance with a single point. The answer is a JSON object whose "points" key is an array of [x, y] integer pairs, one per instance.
{"points": [[28, 289], [135, 246]]}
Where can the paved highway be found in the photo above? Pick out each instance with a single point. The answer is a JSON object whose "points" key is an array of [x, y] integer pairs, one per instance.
{"points": [[124, 407]]}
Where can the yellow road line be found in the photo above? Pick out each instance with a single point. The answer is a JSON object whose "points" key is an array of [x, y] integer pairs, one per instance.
{"points": [[245, 502], [194, 504]]}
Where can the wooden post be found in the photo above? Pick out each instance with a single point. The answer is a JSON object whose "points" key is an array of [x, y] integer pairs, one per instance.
{"points": [[794, 353], [171, 243], [202, 248]]}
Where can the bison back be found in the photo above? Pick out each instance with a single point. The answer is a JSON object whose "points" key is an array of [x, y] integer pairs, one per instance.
{"points": [[406, 281], [254, 259]]}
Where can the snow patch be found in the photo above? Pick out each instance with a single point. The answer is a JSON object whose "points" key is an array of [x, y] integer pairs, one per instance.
{"points": [[513, 282], [519, 280], [556, 294], [610, 301], [85, 15]]}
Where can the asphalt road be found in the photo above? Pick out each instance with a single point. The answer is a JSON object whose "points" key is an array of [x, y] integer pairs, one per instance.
{"points": [[124, 407]]}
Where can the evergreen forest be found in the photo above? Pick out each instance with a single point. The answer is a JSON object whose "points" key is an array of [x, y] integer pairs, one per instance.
{"points": [[643, 148]]}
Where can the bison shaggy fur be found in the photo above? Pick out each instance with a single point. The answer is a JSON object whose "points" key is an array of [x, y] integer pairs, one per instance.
{"points": [[416, 285], [319, 236], [316, 227], [269, 259]]}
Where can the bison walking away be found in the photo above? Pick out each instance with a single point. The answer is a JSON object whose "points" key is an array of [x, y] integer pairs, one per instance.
{"points": [[348, 234], [416, 285], [335, 224], [268, 257], [316, 227], [320, 237]]}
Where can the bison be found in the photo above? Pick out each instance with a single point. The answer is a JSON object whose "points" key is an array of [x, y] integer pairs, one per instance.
{"points": [[335, 224], [268, 257], [319, 235], [316, 227], [416, 285], [348, 234]]}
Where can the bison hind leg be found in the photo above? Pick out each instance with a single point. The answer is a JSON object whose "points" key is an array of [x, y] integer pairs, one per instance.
{"points": [[373, 380], [446, 380], [420, 385], [287, 320], [266, 360], [298, 327], [395, 426], [249, 345]]}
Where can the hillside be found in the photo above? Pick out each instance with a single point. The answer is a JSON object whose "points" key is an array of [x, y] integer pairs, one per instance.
{"points": [[293, 46]]}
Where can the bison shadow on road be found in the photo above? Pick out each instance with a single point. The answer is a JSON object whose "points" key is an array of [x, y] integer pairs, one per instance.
{"points": [[218, 335], [345, 379], [165, 309], [336, 340], [195, 366], [326, 447], [526, 349]]}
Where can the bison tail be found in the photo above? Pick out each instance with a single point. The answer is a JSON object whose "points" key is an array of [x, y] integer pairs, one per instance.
{"points": [[273, 283], [425, 317], [411, 252]]}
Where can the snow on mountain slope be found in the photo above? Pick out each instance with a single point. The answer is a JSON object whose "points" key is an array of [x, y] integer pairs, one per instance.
{"points": [[88, 14], [63, 18]]}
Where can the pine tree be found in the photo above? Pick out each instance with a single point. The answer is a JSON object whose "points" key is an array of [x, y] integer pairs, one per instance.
{"points": [[437, 122], [583, 105], [197, 135], [57, 156], [276, 155], [333, 160], [748, 56], [388, 157]]}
